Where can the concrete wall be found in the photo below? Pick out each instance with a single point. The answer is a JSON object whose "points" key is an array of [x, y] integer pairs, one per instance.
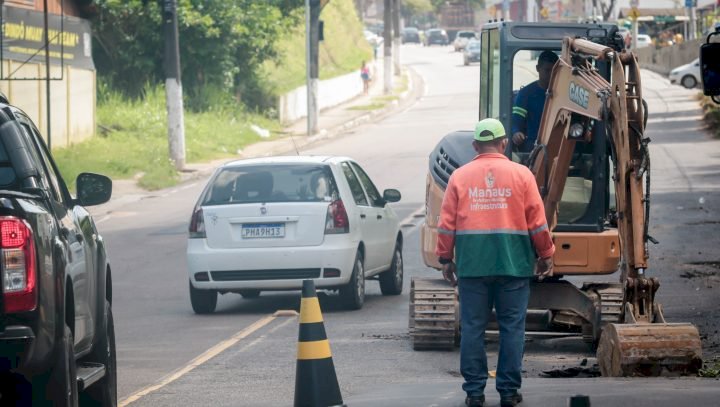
{"points": [[666, 59], [331, 92], [72, 99]]}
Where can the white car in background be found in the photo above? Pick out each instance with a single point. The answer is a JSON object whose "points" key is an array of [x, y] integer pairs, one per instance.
{"points": [[462, 38], [270, 223], [687, 75], [644, 40]]}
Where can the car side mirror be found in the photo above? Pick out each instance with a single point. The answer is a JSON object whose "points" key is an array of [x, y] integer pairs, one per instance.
{"points": [[710, 69], [93, 189], [391, 195]]}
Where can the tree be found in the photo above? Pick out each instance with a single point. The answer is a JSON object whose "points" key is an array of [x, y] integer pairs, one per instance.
{"points": [[606, 7], [222, 43]]}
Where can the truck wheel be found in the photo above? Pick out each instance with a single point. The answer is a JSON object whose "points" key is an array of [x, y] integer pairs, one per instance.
{"points": [[203, 301], [62, 387], [353, 293], [391, 281], [104, 392]]}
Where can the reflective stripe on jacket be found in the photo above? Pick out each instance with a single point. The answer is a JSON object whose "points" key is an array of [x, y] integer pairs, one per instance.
{"points": [[492, 219]]}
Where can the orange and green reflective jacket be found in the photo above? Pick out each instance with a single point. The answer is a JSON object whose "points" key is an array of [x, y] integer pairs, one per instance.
{"points": [[492, 219]]}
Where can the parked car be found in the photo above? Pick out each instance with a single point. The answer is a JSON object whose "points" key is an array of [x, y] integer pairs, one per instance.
{"points": [[644, 40], [687, 75], [56, 321], [436, 36], [462, 38], [269, 223], [410, 34], [471, 52]]}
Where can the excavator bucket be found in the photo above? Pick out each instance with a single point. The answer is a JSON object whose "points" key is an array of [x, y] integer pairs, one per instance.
{"points": [[658, 349], [434, 318]]}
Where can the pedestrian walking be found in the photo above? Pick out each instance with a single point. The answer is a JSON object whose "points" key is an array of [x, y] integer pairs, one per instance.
{"points": [[492, 238], [365, 75]]}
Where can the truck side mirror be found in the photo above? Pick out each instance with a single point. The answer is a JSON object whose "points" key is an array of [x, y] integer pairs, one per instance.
{"points": [[710, 69], [93, 189]]}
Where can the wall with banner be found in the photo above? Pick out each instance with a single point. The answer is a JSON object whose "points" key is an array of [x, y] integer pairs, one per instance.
{"points": [[72, 72]]}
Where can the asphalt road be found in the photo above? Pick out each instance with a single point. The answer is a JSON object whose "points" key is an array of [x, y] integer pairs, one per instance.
{"points": [[247, 357]]}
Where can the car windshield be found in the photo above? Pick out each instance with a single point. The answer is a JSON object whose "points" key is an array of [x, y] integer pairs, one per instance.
{"points": [[272, 183], [474, 46], [466, 35]]}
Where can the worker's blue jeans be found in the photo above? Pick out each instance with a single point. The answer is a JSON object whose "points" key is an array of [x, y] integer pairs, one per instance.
{"points": [[509, 296]]}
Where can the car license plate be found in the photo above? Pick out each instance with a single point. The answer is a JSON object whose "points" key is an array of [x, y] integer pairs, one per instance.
{"points": [[263, 230]]}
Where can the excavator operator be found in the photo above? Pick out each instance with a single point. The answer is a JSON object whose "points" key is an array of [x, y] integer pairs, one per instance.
{"points": [[529, 103]]}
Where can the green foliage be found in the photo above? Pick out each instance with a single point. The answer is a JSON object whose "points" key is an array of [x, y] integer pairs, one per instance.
{"points": [[222, 44], [711, 368], [342, 51], [132, 139], [711, 112]]}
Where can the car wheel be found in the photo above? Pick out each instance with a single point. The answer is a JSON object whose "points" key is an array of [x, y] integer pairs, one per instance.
{"points": [[250, 293], [203, 301], [62, 387], [391, 281], [689, 81], [353, 293], [104, 393]]}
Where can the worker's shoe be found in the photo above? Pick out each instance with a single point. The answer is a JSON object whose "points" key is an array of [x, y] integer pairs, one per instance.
{"points": [[511, 400], [475, 401]]}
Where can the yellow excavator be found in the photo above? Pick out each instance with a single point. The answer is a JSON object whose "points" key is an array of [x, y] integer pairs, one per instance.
{"points": [[592, 166]]}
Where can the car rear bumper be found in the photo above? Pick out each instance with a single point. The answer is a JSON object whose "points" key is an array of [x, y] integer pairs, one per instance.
{"points": [[15, 346], [280, 268]]}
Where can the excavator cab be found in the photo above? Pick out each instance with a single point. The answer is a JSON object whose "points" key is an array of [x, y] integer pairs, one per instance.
{"points": [[591, 164]]}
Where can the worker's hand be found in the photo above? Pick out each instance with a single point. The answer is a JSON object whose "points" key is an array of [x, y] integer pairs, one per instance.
{"points": [[544, 268], [448, 271], [518, 138]]}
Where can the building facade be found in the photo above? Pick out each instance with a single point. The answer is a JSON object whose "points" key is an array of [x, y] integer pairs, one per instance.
{"points": [[72, 79]]}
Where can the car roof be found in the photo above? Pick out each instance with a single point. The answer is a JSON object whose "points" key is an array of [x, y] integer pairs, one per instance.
{"points": [[290, 159]]}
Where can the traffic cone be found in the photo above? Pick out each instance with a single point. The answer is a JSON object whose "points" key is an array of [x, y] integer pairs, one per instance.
{"points": [[316, 384]]}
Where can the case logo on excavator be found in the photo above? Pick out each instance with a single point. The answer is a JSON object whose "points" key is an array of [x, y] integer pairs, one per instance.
{"points": [[579, 95]]}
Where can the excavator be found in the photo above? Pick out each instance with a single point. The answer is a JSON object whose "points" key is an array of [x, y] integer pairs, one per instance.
{"points": [[592, 166]]}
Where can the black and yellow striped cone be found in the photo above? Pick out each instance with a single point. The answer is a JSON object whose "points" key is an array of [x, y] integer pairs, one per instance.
{"points": [[315, 380]]}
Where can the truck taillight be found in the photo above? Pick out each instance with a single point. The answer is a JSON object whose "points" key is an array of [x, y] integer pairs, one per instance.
{"points": [[197, 224], [336, 220], [17, 259]]}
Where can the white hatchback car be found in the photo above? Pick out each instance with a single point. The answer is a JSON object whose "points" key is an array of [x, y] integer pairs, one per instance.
{"points": [[687, 75], [267, 224]]}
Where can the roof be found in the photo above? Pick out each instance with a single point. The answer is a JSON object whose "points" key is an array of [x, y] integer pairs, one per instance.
{"points": [[290, 159]]}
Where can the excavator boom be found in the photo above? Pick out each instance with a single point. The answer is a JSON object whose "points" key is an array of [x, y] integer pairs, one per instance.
{"points": [[579, 98]]}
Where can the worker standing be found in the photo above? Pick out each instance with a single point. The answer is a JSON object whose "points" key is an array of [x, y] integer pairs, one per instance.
{"points": [[492, 237]]}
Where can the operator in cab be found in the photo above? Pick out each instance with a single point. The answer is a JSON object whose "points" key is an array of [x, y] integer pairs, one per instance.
{"points": [[529, 103]]}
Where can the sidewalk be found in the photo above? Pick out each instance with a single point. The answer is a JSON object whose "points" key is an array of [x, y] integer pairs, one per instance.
{"points": [[332, 122], [537, 392]]}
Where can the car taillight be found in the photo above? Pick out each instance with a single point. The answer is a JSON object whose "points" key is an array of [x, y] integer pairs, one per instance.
{"points": [[337, 218], [17, 259], [197, 224]]}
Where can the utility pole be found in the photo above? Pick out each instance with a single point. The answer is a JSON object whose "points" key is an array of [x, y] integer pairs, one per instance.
{"points": [[312, 53], [387, 40], [396, 37], [47, 72], [693, 18], [173, 85]]}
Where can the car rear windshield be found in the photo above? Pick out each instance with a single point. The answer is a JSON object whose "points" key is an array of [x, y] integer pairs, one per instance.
{"points": [[466, 35], [272, 183], [7, 173]]}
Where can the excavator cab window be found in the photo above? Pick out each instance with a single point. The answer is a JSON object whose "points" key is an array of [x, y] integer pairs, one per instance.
{"points": [[578, 191], [490, 74]]}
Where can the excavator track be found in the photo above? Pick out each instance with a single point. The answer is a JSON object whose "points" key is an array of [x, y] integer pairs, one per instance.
{"points": [[434, 318], [610, 296]]}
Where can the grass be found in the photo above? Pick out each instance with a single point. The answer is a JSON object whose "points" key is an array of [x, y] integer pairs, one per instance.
{"points": [[711, 112], [132, 140], [711, 368], [342, 51], [371, 106]]}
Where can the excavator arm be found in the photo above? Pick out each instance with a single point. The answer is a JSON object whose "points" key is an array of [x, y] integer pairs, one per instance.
{"points": [[579, 98]]}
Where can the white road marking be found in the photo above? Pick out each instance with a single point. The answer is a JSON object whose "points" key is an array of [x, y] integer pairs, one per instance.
{"points": [[204, 357], [103, 219], [409, 219]]}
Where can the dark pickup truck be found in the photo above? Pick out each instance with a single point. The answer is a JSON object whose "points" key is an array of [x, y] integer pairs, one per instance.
{"points": [[57, 339]]}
